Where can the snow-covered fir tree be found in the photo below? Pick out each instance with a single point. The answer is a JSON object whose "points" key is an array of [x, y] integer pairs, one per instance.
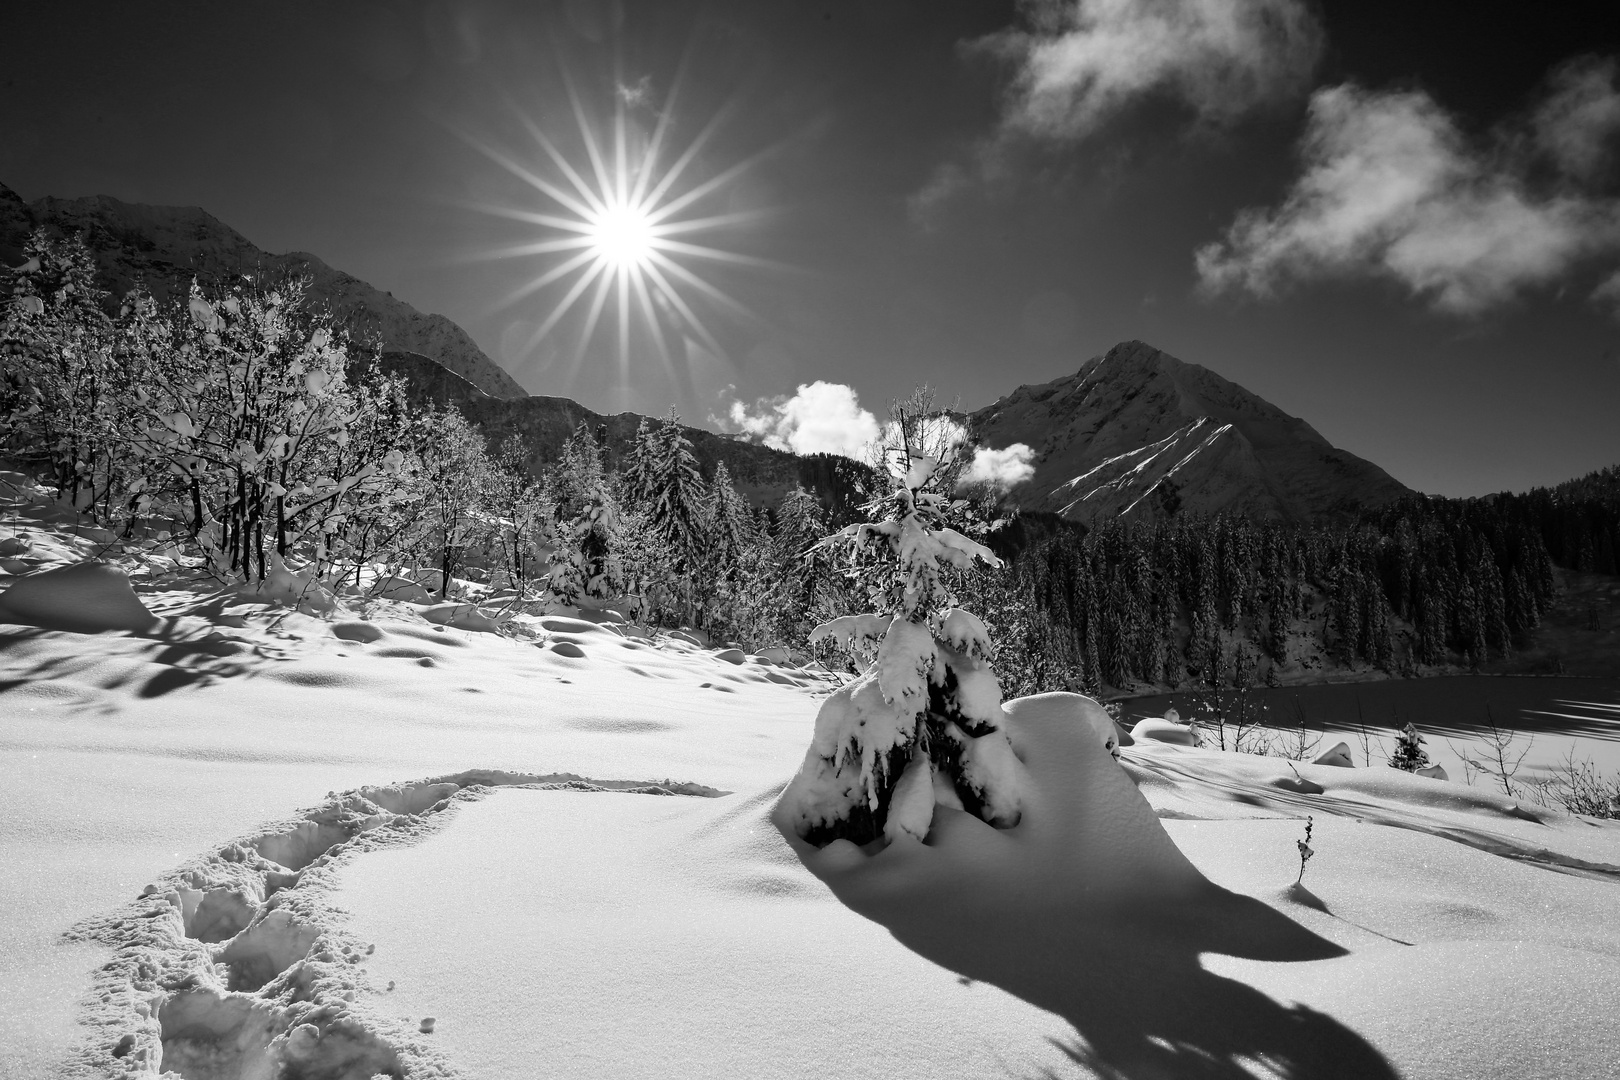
{"points": [[635, 478], [585, 567], [924, 724], [731, 526], [798, 584], [675, 495], [1409, 753]]}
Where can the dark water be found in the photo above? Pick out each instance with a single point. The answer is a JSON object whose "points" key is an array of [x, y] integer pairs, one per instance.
{"points": [[1453, 705]]}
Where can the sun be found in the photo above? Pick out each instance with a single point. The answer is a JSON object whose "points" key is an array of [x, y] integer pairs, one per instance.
{"points": [[624, 237], [620, 230]]}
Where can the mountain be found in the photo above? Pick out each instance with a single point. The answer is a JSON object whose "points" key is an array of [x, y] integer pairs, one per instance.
{"points": [[169, 245], [1134, 433], [760, 473], [1139, 434]]}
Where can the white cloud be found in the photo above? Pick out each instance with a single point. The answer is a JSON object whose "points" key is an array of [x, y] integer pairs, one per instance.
{"points": [[1077, 63], [1391, 187], [1084, 59], [936, 435], [821, 418], [1000, 468]]}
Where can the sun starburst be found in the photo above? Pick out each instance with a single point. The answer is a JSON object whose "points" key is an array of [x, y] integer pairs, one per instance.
{"points": [[621, 226]]}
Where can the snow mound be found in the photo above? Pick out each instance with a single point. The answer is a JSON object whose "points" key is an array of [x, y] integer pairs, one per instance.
{"points": [[356, 630], [1089, 910], [84, 598], [1337, 755], [462, 617], [297, 589], [401, 588], [1165, 731]]}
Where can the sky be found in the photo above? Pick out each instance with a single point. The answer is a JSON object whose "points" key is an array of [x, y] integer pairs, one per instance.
{"points": [[1398, 221]]}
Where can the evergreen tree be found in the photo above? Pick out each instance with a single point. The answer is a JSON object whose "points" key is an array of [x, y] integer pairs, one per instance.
{"points": [[731, 526], [1409, 754], [924, 723], [675, 496], [585, 565], [636, 479], [799, 586]]}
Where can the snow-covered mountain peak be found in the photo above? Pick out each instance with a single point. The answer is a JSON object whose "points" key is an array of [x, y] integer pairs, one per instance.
{"points": [[1140, 433]]}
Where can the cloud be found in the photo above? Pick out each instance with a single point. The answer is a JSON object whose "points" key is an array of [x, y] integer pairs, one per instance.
{"points": [[1608, 294], [821, 418], [1578, 125], [1078, 63], [1000, 468], [1391, 187], [1085, 59], [937, 435]]}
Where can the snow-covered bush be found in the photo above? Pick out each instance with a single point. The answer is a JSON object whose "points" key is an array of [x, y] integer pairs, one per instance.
{"points": [[452, 467], [244, 426], [924, 723]]}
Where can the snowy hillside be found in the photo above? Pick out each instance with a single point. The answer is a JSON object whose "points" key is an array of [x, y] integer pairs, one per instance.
{"points": [[168, 245], [1139, 434], [246, 842]]}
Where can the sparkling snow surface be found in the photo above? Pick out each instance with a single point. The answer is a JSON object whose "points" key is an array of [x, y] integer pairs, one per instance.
{"points": [[557, 933], [1140, 922], [122, 757]]}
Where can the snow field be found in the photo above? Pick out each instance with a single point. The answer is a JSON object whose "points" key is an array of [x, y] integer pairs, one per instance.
{"points": [[122, 756], [1137, 922], [661, 937]]}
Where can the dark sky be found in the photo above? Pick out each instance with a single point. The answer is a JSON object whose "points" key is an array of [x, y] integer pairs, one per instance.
{"points": [[970, 194]]}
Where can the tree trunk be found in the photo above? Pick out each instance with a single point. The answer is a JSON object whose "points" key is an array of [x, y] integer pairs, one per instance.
{"points": [[444, 568]]}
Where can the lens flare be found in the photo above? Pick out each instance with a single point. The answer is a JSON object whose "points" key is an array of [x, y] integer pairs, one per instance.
{"points": [[619, 225]]}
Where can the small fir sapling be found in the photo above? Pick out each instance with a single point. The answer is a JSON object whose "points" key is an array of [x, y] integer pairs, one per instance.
{"points": [[923, 725], [1409, 754]]}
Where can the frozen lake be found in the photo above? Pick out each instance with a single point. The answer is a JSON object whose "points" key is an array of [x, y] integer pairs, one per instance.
{"points": [[1561, 713]]}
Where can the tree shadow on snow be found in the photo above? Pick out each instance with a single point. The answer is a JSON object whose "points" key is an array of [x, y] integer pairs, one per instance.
{"points": [[1088, 910], [1131, 983], [170, 656]]}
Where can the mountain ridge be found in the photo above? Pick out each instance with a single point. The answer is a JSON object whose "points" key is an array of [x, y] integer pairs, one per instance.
{"points": [[166, 246]]}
